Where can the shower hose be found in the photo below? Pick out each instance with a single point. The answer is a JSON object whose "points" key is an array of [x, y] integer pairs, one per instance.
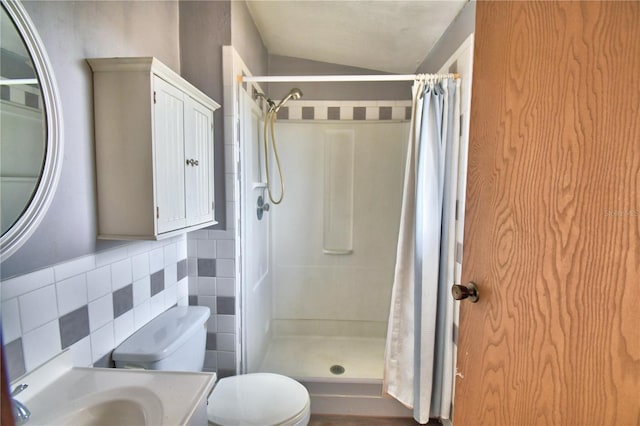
{"points": [[269, 124]]}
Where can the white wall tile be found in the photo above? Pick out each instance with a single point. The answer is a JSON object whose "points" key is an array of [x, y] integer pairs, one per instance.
{"points": [[141, 290], [321, 113], [346, 113], [226, 323], [226, 342], [192, 248], [111, 256], [206, 286], [182, 288], [157, 304], [38, 307], [183, 301], [98, 282], [170, 274], [102, 342], [138, 247], [181, 248], [81, 352], [373, 113], [170, 254], [142, 314], [156, 260], [10, 320], [225, 287], [208, 301], [74, 267], [229, 181], [72, 294], [231, 215], [397, 113], [23, 284], [225, 268], [225, 249], [100, 312], [192, 266], [123, 327], [41, 344], [140, 266], [206, 249], [212, 324], [170, 296], [295, 112], [121, 274]]}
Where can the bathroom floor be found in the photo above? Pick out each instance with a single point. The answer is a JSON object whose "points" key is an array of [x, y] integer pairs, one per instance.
{"points": [[313, 356]]}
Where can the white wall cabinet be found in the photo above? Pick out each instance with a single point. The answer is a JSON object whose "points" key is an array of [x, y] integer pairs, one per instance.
{"points": [[154, 150]]}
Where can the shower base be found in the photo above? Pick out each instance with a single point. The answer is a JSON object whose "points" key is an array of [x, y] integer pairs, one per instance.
{"points": [[313, 351]]}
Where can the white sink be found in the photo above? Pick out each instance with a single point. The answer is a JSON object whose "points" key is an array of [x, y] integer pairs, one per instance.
{"points": [[59, 394]]}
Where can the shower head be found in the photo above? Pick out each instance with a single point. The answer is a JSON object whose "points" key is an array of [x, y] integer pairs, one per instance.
{"points": [[294, 94]]}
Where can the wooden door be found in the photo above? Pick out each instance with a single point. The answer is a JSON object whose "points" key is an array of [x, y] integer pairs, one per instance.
{"points": [[198, 147], [169, 156], [553, 217]]}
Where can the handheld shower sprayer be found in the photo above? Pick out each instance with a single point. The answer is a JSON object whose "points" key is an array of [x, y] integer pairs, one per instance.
{"points": [[269, 125]]}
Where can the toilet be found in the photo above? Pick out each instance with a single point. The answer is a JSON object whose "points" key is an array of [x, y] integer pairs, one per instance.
{"points": [[175, 341]]}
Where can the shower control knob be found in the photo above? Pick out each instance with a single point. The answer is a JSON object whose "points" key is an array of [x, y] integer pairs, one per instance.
{"points": [[468, 290]]}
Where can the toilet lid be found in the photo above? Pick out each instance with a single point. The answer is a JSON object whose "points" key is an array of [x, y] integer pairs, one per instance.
{"points": [[257, 399]]}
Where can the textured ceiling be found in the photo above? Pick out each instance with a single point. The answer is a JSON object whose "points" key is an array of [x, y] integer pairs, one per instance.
{"points": [[384, 35]]}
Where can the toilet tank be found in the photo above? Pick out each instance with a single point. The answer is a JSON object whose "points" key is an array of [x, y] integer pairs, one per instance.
{"points": [[174, 340]]}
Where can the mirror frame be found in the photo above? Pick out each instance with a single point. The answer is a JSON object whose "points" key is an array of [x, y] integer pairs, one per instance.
{"points": [[33, 214]]}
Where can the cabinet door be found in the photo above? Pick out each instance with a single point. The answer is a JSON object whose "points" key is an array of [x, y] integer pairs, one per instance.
{"points": [[168, 129], [199, 162]]}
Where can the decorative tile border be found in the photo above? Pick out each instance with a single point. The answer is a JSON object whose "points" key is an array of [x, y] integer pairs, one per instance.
{"points": [[23, 95], [346, 110]]}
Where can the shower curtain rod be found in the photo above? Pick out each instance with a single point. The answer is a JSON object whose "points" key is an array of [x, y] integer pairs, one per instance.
{"points": [[334, 78]]}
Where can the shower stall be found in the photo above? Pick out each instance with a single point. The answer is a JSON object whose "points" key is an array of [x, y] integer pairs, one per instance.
{"points": [[318, 267]]}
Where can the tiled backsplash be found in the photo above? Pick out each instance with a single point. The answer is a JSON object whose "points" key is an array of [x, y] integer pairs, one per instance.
{"points": [[90, 304], [212, 271]]}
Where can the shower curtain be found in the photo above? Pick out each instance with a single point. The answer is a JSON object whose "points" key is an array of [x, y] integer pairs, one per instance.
{"points": [[419, 356]]}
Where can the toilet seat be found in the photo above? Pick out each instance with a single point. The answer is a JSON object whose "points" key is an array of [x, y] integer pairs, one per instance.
{"points": [[259, 399]]}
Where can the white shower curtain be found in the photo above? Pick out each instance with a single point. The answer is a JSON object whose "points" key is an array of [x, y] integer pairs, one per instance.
{"points": [[419, 351]]}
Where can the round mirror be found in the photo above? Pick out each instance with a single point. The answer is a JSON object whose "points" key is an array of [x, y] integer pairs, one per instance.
{"points": [[30, 129]]}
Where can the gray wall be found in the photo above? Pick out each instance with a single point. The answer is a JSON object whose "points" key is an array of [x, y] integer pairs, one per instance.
{"points": [[455, 34], [246, 39], [72, 32], [363, 91], [205, 26]]}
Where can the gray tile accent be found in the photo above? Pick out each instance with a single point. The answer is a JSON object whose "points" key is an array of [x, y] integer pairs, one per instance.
{"points": [[455, 334], [193, 300], [385, 113], [359, 113], [407, 113], [308, 113], [211, 342], [157, 282], [182, 269], [283, 113], [14, 357], [226, 305], [123, 299], [105, 362], [333, 113], [31, 100], [74, 326], [222, 373], [206, 267], [5, 93]]}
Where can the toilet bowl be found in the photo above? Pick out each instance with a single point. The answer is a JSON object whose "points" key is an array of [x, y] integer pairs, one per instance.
{"points": [[175, 340]]}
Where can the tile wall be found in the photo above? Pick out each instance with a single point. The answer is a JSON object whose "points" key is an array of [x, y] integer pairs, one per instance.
{"points": [[212, 283], [90, 304]]}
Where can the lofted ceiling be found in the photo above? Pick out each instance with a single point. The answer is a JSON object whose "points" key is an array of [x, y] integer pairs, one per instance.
{"points": [[384, 35]]}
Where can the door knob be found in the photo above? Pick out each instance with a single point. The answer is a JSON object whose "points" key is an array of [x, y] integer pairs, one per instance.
{"points": [[468, 290]]}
